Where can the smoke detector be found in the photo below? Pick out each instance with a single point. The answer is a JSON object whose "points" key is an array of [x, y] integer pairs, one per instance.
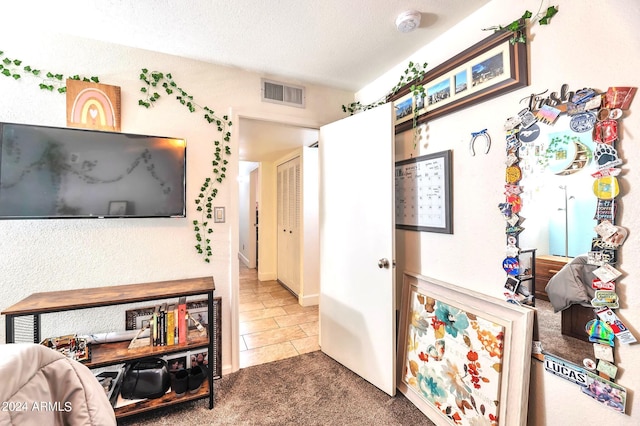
{"points": [[408, 21]]}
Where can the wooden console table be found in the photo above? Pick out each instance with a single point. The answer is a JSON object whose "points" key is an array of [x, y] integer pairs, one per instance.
{"points": [[117, 353]]}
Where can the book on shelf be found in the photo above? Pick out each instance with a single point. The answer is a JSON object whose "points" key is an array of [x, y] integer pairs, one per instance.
{"points": [[168, 324], [171, 324], [182, 320], [163, 325], [154, 326]]}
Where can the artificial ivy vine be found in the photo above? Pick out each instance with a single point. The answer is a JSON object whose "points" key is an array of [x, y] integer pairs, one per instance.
{"points": [[519, 26], [48, 80], [208, 192], [416, 72], [12, 68], [413, 72]]}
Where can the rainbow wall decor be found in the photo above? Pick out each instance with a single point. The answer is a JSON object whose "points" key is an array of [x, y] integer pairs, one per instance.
{"points": [[93, 106]]}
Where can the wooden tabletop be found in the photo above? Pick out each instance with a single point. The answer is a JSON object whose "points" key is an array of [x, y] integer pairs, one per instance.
{"points": [[55, 301], [560, 259]]}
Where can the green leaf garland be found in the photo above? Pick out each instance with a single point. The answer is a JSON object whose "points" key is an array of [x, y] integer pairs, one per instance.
{"points": [[157, 80], [153, 83], [50, 82]]}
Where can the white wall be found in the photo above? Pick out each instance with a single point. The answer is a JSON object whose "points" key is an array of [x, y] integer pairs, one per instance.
{"points": [[246, 213], [311, 227], [595, 46], [44, 255], [254, 202]]}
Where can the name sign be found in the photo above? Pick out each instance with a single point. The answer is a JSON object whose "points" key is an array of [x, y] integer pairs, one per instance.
{"points": [[565, 369]]}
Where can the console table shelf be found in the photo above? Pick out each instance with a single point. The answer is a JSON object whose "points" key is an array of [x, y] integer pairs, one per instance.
{"points": [[105, 354], [118, 352], [67, 300], [167, 399]]}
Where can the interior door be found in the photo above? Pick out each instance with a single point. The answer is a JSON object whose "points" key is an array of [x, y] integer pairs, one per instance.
{"points": [[289, 199], [357, 297]]}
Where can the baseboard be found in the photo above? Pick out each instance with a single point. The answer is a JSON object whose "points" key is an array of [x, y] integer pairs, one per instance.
{"points": [[243, 259], [311, 300], [267, 276]]}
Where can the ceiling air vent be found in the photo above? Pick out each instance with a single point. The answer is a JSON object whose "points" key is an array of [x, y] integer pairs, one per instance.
{"points": [[281, 93]]}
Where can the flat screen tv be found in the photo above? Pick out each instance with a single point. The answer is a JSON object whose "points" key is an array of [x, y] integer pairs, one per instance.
{"points": [[51, 172]]}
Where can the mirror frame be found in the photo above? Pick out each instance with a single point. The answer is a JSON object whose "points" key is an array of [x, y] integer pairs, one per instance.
{"points": [[565, 101]]}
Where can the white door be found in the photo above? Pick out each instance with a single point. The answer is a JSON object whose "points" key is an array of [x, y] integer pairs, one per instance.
{"points": [[357, 297], [288, 199]]}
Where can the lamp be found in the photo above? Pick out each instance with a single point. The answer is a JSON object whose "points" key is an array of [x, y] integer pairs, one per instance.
{"points": [[408, 21]]}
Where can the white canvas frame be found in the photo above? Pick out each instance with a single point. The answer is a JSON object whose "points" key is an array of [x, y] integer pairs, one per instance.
{"points": [[517, 322]]}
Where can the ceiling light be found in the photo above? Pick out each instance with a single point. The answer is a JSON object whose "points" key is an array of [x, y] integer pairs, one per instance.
{"points": [[408, 21]]}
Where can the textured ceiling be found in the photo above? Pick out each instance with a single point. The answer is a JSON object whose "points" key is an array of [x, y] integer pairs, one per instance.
{"points": [[344, 44], [339, 43]]}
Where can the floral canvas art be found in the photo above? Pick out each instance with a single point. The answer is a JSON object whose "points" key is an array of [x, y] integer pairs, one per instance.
{"points": [[453, 358]]}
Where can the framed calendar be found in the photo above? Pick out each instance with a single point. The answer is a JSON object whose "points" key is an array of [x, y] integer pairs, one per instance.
{"points": [[423, 193]]}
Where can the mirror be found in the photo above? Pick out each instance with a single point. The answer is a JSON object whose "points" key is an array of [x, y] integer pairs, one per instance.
{"points": [[558, 204], [557, 198], [554, 200]]}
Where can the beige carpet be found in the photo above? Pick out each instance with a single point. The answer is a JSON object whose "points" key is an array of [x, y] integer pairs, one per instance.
{"points": [[310, 389], [549, 327]]}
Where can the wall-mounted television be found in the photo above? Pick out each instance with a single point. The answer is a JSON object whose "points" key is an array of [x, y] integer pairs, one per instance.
{"points": [[51, 172]]}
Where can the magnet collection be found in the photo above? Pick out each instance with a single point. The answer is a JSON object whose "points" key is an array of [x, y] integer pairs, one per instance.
{"points": [[593, 113]]}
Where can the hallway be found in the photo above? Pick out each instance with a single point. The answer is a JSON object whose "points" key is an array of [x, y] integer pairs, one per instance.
{"points": [[273, 325]]}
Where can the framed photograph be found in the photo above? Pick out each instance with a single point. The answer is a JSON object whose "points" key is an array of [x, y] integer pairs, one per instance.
{"points": [[117, 208], [404, 109], [487, 69], [138, 318], [199, 311], [423, 193], [218, 215], [454, 345], [200, 357], [177, 361], [605, 392]]}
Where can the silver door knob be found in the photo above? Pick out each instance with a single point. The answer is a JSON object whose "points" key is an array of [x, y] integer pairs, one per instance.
{"points": [[383, 263]]}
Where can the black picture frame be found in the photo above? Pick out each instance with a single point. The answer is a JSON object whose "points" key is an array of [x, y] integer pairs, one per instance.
{"points": [[423, 193], [485, 54]]}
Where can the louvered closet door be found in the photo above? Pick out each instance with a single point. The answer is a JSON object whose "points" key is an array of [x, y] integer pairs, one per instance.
{"points": [[289, 221]]}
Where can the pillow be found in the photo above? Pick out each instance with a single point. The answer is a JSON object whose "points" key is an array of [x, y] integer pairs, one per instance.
{"points": [[571, 285]]}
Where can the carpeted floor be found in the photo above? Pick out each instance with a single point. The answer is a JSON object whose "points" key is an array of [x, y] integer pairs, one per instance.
{"points": [[554, 341], [310, 389]]}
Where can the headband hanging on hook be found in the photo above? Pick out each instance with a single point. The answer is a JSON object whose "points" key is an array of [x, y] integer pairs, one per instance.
{"points": [[474, 136]]}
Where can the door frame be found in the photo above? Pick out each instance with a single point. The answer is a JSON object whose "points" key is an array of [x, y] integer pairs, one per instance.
{"points": [[234, 263]]}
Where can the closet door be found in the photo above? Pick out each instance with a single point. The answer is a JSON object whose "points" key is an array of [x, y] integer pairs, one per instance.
{"points": [[289, 210]]}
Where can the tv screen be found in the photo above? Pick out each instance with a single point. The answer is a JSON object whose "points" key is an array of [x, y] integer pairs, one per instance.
{"points": [[50, 172]]}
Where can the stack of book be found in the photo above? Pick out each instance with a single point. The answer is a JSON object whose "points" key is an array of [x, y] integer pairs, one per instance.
{"points": [[168, 324]]}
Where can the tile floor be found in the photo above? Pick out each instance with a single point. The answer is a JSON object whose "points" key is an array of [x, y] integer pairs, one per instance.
{"points": [[273, 325]]}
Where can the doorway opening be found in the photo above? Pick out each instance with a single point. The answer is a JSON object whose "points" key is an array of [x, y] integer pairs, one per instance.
{"points": [[272, 323]]}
